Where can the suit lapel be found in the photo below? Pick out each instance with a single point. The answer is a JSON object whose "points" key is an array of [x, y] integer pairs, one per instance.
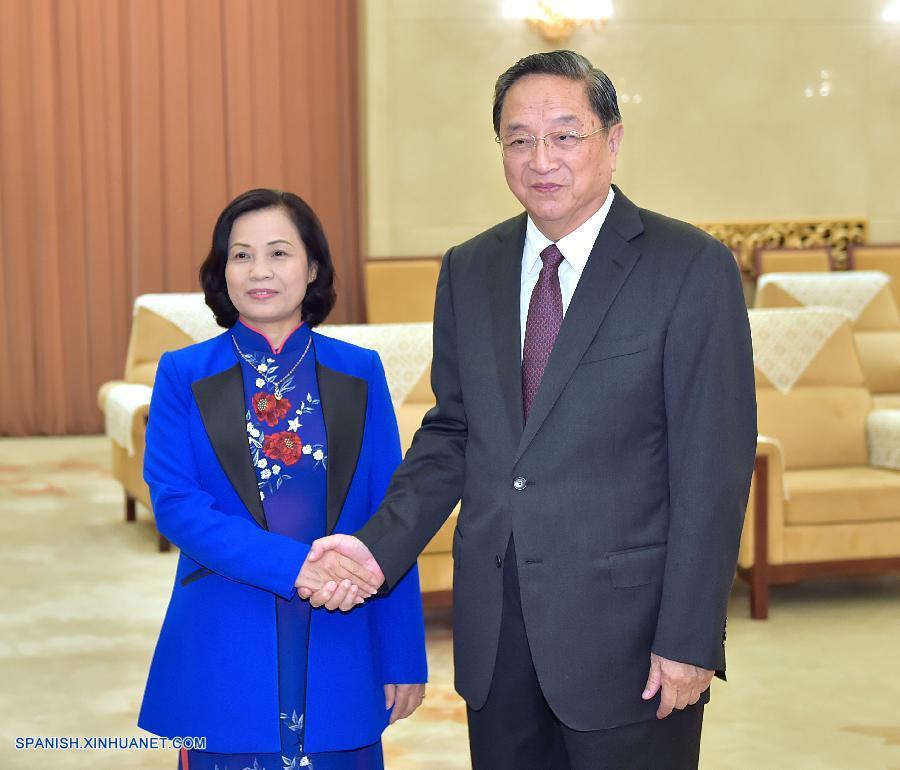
{"points": [[607, 269], [505, 278], [344, 400], [220, 399]]}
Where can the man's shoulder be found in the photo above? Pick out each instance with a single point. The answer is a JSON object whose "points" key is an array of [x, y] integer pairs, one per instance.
{"points": [[492, 238], [679, 244], [660, 225]]}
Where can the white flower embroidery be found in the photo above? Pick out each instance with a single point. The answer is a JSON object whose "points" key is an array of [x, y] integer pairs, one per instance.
{"points": [[255, 433], [260, 382], [266, 474], [250, 427], [262, 495], [262, 368], [262, 462], [307, 449], [276, 469], [318, 455], [294, 424]]}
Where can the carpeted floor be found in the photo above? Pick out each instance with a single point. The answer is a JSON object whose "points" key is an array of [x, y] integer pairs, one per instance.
{"points": [[815, 686]]}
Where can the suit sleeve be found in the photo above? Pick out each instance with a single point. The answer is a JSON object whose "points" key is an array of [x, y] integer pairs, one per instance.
{"points": [[190, 517], [429, 482], [710, 404], [398, 614]]}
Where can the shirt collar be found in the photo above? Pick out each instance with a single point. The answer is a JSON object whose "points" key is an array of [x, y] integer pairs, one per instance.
{"points": [[575, 247], [253, 339]]}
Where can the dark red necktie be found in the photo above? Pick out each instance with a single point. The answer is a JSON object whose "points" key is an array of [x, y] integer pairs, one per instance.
{"points": [[545, 315]]}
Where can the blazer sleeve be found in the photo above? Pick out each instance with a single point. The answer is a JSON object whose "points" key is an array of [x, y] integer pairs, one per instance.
{"points": [[429, 482], [710, 402], [190, 517], [398, 614]]}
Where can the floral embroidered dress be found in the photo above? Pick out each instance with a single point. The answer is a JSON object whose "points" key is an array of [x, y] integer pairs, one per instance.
{"points": [[287, 442]]}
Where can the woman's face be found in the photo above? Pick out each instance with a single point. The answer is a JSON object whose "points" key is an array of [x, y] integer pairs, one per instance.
{"points": [[267, 271]]}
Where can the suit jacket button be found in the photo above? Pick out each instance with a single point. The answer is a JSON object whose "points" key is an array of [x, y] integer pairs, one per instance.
{"points": [[499, 561], [519, 484]]}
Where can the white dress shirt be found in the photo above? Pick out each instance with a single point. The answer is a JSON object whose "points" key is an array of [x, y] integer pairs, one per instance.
{"points": [[575, 248]]}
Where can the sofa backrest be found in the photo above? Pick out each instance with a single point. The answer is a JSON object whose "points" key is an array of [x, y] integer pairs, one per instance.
{"points": [[401, 290], [810, 389], [866, 296], [790, 260], [171, 321]]}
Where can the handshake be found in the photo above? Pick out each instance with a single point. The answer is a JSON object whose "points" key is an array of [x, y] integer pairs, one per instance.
{"points": [[339, 573]]}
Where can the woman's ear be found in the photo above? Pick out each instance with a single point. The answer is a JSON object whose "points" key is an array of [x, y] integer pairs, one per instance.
{"points": [[313, 272]]}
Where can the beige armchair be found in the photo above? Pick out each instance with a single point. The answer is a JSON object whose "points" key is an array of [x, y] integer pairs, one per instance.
{"points": [[877, 256], [867, 298], [400, 290], [170, 321], [791, 260], [825, 495]]}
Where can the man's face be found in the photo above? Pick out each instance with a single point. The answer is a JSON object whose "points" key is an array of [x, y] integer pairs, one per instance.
{"points": [[559, 188]]}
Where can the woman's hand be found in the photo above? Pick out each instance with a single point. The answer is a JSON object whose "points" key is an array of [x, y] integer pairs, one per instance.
{"points": [[403, 699]]}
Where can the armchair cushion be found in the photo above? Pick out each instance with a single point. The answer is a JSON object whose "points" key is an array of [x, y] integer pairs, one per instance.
{"points": [[842, 495]]}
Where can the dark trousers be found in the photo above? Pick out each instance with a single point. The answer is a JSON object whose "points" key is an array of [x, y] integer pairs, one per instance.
{"points": [[517, 730]]}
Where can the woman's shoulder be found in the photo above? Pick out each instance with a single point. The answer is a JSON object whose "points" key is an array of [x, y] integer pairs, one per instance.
{"points": [[201, 358], [348, 357]]}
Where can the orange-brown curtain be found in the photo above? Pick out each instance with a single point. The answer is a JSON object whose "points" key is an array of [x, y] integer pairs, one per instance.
{"points": [[125, 127]]}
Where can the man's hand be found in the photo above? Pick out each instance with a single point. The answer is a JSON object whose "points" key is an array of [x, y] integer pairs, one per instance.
{"points": [[682, 684], [403, 699], [350, 549]]}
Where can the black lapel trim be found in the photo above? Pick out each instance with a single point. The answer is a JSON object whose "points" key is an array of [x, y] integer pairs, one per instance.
{"points": [[220, 399], [607, 269], [505, 278], [344, 399]]}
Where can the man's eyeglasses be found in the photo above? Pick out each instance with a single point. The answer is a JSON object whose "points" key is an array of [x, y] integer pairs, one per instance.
{"points": [[559, 141]]}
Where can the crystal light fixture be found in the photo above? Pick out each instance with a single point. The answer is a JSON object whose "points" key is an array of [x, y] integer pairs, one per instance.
{"points": [[555, 20]]}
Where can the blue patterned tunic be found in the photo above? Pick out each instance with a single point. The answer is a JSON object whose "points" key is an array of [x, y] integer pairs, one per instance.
{"points": [[286, 439]]}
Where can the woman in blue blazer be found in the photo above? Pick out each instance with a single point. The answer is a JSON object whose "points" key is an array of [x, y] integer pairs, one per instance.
{"points": [[259, 441]]}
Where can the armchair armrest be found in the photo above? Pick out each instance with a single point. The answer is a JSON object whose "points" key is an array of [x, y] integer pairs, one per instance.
{"points": [[126, 406], [883, 436], [761, 540]]}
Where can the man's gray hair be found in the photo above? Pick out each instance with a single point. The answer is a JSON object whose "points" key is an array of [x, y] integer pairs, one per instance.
{"points": [[567, 64]]}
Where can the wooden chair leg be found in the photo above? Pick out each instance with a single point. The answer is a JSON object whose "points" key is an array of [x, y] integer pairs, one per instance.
{"points": [[759, 593], [130, 508], [164, 544], [759, 580]]}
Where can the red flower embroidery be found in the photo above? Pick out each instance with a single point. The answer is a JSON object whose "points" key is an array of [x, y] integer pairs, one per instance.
{"points": [[285, 447], [270, 409]]}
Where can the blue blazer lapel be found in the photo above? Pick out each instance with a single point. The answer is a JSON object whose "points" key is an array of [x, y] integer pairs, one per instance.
{"points": [[344, 400], [220, 399], [608, 267]]}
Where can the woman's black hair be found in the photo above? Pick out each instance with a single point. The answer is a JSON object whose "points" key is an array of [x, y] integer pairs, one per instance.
{"points": [[320, 296]]}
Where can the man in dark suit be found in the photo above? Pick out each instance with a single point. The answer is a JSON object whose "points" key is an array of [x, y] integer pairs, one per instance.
{"points": [[596, 416]]}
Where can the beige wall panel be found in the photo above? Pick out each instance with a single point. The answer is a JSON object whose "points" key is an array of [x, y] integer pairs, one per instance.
{"points": [[717, 122]]}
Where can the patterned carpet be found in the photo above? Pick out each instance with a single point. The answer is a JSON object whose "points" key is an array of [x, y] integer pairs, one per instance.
{"points": [[815, 686]]}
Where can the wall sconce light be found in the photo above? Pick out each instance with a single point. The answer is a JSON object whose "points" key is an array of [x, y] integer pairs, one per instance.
{"points": [[555, 20], [892, 12]]}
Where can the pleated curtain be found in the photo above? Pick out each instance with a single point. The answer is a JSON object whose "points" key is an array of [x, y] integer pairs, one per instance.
{"points": [[125, 127]]}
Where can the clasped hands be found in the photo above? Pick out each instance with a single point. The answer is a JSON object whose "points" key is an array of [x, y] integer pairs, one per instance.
{"points": [[339, 573]]}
